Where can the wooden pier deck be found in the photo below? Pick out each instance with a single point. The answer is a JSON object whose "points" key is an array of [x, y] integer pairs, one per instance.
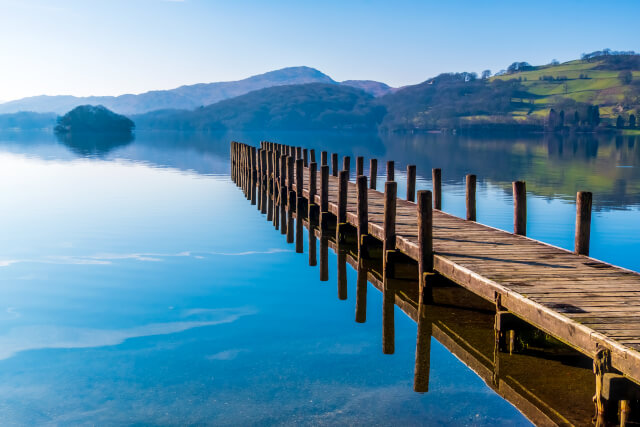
{"points": [[590, 305]]}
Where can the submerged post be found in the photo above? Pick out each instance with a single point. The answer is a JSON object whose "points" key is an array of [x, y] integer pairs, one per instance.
{"points": [[583, 222], [334, 164], [520, 208], [471, 197], [411, 183], [263, 192], [359, 166], [390, 171], [436, 178], [373, 173]]}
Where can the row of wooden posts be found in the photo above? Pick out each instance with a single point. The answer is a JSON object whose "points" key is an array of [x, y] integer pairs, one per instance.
{"points": [[272, 167]]}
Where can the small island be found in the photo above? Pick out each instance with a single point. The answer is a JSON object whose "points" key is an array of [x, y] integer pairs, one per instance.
{"points": [[93, 118]]}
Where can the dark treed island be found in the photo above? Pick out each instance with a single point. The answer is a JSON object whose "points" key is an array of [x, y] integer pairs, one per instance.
{"points": [[90, 118]]}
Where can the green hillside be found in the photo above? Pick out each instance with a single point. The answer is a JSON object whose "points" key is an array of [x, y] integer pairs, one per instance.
{"points": [[596, 82]]}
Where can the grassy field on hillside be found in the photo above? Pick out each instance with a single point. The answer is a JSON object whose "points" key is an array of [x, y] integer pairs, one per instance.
{"points": [[600, 87]]}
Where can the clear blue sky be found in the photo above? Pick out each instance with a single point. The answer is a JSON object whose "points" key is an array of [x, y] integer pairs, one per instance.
{"points": [[110, 47]]}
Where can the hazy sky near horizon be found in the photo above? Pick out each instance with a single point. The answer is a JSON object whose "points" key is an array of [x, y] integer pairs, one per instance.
{"points": [[111, 47]]}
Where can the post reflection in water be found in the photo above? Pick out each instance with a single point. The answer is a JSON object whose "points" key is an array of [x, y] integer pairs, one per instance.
{"points": [[342, 273], [423, 351], [324, 257], [361, 292]]}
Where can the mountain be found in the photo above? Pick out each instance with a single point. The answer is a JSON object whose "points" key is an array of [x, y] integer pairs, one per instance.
{"points": [[184, 97], [370, 86], [291, 107]]}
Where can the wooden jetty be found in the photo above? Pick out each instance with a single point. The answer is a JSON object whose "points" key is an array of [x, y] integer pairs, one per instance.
{"points": [[590, 305]]}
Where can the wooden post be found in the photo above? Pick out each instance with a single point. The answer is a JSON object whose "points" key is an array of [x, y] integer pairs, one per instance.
{"points": [[342, 203], [269, 186], [411, 183], [290, 171], [259, 178], [359, 166], [253, 175], [471, 198], [263, 192], [334, 164], [313, 177], [298, 153], [323, 159], [389, 245], [363, 229], [324, 196], [425, 245], [346, 165], [312, 153], [583, 222], [299, 177], [390, 170], [520, 208], [362, 209], [299, 208], [305, 157], [436, 178], [373, 173]]}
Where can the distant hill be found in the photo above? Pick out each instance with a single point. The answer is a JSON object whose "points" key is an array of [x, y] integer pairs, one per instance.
{"points": [[369, 86], [25, 120], [586, 95], [292, 107], [89, 118], [184, 97]]}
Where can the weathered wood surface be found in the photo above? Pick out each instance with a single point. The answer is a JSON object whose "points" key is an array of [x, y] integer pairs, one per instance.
{"points": [[586, 303]]}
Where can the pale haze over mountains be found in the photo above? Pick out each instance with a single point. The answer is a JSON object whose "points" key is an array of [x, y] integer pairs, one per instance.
{"points": [[186, 97]]}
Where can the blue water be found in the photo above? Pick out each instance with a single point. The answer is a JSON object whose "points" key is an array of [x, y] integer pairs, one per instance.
{"points": [[138, 285]]}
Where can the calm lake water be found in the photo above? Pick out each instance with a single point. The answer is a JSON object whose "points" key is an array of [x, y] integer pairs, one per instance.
{"points": [[139, 286]]}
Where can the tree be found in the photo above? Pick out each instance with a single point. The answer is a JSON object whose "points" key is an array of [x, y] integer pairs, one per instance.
{"points": [[632, 121], [576, 118], [625, 77], [485, 74], [555, 62], [561, 119], [620, 122]]}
